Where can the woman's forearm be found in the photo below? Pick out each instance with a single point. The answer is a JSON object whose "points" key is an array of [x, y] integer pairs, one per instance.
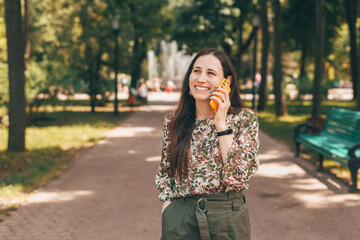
{"points": [[225, 141]]}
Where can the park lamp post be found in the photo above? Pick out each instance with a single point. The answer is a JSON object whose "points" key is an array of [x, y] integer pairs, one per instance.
{"points": [[255, 22], [115, 25]]}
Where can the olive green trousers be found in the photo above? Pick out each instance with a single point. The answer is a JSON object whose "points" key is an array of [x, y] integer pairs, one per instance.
{"points": [[219, 216]]}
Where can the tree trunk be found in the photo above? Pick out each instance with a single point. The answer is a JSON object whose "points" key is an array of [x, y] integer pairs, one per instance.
{"points": [[351, 14], [280, 104], [90, 75], [98, 68], [303, 61], [17, 103], [92, 89], [27, 34], [358, 86], [263, 91], [302, 76], [319, 52], [240, 47], [227, 48], [139, 53]]}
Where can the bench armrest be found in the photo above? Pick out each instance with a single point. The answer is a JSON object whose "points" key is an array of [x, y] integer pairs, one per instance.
{"points": [[352, 150], [304, 128]]}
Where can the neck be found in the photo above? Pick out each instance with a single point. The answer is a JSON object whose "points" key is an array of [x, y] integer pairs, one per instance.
{"points": [[203, 110]]}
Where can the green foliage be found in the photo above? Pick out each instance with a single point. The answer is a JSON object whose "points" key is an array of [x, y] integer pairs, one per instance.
{"points": [[299, 24], [299, 27], [72, 43], [339, 58], [36, 77], [142, 24], [214, 23], [217, 23], [4, 84]]}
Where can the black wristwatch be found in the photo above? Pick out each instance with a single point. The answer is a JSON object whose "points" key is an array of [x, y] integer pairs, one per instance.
{"points": [[226, 132]]}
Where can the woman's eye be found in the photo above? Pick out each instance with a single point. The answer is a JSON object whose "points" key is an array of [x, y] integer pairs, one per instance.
{"points": [[211, 73], [196, 70]]}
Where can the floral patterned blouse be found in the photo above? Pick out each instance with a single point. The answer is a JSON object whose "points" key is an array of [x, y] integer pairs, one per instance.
{"points": [[207, 171]]}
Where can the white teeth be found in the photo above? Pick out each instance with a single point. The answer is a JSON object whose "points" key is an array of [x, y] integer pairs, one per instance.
{"points": [[202, 88]]}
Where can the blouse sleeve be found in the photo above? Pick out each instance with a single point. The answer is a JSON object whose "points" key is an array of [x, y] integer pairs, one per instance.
{"points": [[163, 178], [242, 160]]}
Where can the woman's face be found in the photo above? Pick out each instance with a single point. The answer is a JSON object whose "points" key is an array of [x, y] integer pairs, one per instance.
{"points": [[206, 74]]}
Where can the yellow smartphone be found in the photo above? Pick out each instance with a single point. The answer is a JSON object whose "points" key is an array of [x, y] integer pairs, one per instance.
{"points": [[213, 104]]}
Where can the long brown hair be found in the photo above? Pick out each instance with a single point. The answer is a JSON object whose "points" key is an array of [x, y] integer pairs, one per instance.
{"points": [[182, 122]]}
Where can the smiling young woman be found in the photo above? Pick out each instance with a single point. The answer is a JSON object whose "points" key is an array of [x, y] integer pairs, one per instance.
{"points": [[207, 158]]}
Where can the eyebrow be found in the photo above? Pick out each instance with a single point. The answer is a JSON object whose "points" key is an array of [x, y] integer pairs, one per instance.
{"points": [[207, 69]]}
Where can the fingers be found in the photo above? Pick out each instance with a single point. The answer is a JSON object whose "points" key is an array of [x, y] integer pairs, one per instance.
{"points": [[217, 99], [217, 96], [220, 93], [165, 205]]}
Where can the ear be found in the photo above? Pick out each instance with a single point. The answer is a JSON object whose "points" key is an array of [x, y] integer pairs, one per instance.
{"points": [[229, 79]]}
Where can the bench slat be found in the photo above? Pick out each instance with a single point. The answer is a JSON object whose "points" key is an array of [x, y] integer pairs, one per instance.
{"points": [[343, 132], [333, 145], [344, 123]]}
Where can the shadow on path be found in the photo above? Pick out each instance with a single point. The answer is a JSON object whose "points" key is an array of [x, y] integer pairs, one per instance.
{"points": [[287, 201]]}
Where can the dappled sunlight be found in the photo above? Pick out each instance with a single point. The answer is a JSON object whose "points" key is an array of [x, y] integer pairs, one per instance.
{"points": [[153, 159], [279, 170], [130, 132], [103, 142], [163, 96], [271, 166], [293, 183], [292, 118], [272, 154], [307, 184], [268, 116], [12, 194], [108, 108], [313, 184], [324, 199], [130, 151], [153, 108], [46, 197]]}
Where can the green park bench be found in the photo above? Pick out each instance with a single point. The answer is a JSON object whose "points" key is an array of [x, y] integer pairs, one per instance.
{"points": [[339, 140]]}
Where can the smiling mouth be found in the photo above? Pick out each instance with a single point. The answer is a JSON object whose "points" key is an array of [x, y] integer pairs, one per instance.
{"points": [[202, 88]]}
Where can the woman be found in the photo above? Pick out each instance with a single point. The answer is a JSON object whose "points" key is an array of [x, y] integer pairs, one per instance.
{"points": [[207, 158]]}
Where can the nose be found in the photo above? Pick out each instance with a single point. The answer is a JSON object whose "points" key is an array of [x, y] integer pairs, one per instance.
{"points": [[203, 77]]}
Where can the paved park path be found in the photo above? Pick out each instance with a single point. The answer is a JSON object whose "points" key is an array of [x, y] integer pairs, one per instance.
{"points": [[109, 193]]}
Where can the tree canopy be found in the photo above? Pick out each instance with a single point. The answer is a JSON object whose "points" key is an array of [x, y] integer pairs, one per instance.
{"points": [[72, 43]]}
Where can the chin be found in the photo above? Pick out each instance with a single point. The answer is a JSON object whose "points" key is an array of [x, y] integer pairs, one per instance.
{"points": [[202, 98]]}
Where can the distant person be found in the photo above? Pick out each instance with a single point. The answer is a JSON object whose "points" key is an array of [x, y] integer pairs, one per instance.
{"points": [[149, 85], [207, 158], [170, 86], [142, 91], [157, 84], [124, 83]]}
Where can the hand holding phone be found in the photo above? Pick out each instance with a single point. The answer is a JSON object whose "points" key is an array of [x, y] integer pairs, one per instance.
{"points": [[214, 104]]}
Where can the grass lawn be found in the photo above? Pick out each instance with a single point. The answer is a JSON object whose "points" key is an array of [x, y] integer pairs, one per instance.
{"points": [[281, 128], [52, 143]]}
